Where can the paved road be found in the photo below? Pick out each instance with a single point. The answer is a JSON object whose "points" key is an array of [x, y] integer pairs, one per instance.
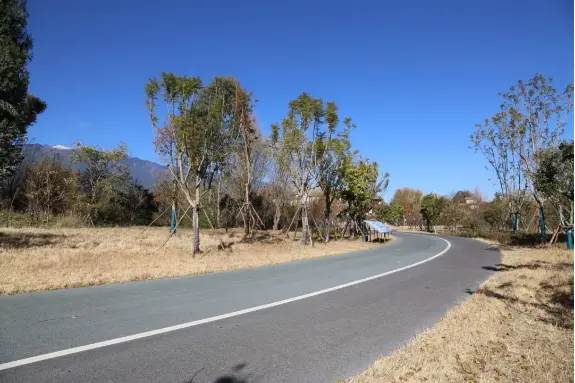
{"points": [[321, 338]]}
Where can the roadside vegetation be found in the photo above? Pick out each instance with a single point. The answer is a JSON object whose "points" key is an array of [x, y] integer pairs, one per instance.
{"points": [[33, 259], [517, 327], [523, 145]]}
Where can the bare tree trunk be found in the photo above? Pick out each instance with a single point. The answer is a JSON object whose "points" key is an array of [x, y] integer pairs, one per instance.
{"points": [[218, 199], [196, 224], [247, 207], [277, 215], [304, 222], [327, 220]]}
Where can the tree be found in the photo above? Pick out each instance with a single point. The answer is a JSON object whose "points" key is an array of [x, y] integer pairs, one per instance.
{"points": [[539, 114], [196, 133], [50, 189], [297, 152], [432, 206], [495, 213], [333, 154], [410, 202], [102, 180], [553, 180], [390, 213], [453, 213], [361, 184], [12, 189], [18, 108], [278, 188], [532, 119], [252, 153], [500, 145], [138, 205]]}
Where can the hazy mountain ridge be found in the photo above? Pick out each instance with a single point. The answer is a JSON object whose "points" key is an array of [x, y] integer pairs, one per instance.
{"points": [[143, 171]]}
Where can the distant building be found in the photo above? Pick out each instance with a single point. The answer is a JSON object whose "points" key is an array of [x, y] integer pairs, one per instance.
{"points": [[471, 202]]}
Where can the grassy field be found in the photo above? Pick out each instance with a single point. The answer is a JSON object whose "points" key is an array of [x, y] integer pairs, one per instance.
{"points": [[517, 327], [33, 259]]}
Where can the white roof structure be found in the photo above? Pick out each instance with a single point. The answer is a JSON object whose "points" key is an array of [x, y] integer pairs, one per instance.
{"points": [[377, 226]]}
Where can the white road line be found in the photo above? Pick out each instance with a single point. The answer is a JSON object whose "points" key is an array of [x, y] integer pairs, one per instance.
{"points": [[110, 342]]}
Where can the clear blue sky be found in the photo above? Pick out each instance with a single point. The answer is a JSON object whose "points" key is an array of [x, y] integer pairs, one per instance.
{"points": [[414, 75]]}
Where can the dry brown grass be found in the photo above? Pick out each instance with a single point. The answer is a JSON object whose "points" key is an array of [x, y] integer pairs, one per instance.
{"points": [[517, 327], [33, 259]]}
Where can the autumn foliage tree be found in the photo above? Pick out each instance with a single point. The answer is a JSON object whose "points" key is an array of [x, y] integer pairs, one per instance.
{"points": [[410, 201]]}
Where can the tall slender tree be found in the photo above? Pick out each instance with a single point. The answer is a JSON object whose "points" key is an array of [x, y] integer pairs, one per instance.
{"points": [[334, 151], [195, 134], [297, 151], [539, 115], [532, 119], [249, 140], [554, 181], [500, 144], [18, 108]]}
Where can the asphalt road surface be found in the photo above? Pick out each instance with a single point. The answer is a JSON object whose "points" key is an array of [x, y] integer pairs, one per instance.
{"points": [[316, 320]]}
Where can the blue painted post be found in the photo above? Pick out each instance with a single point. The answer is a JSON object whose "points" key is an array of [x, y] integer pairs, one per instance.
{"points": [[542, 222], [173, 223], [570, 239], [514, 222]]}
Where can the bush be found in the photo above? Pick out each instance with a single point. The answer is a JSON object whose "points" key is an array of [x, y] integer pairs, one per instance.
{"points": [[16, 219], [69, 221], [508, 238]]}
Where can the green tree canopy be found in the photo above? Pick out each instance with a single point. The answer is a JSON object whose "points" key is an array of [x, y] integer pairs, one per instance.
{"points": [[18, 108], [361, 186], [432, 206], [103, 180], [391, 213], [554, 179]]}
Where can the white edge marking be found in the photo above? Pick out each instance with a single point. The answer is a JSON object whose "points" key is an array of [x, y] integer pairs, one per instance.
{"points": [[110, 342]]}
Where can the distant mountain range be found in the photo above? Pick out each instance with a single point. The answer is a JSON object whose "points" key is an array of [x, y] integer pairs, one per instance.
{"points": [[143, 171]]}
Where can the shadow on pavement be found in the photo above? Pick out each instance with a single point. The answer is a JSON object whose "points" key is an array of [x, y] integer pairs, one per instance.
{"points": [[234, 377]]}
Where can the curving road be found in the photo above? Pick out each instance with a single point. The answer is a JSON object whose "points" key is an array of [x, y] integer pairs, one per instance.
{"points": [[317, 320]]}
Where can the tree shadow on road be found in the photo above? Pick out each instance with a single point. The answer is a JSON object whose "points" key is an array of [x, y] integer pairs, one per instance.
{"points": [[235, 376]]}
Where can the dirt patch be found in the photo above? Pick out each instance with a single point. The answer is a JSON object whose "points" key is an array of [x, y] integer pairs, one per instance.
{"points": [[33, 259], [517, 327]]}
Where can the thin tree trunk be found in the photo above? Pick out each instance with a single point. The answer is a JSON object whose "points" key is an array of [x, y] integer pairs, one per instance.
{"points": [[304, 222], [327, 221], [345, 228], [218, 199], [196, 224], [248, 219], [277, 215]]}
